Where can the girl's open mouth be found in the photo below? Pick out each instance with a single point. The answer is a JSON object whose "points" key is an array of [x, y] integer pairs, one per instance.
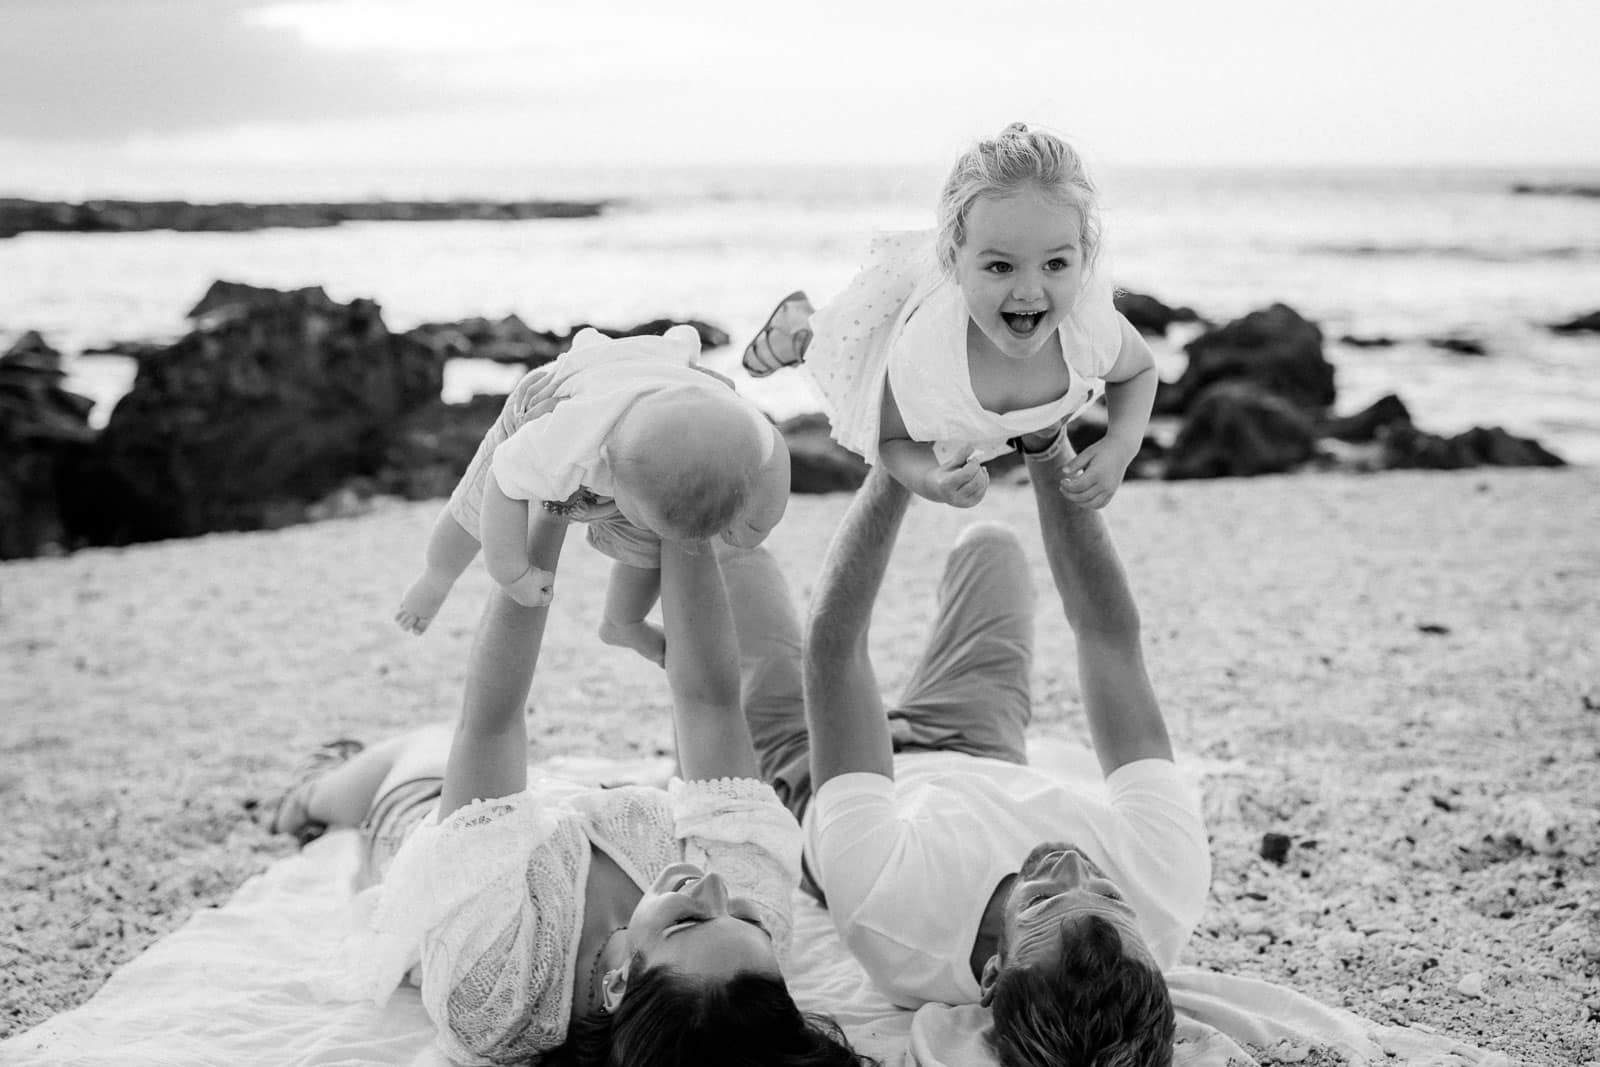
{"points": [[1022, 323]]}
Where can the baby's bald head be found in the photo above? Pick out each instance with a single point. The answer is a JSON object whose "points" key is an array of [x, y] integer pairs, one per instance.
{"points": [[686, 462]]}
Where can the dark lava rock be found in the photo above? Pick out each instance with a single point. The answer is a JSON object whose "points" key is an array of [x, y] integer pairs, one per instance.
{"points": [[1239, 429], [272, 401], [1405, 446], [510, 340], [1461, 346], [1275, 349], [1555, 189], [44, 442], [1364, 425], [1275, 847], [98, 216], [432, 446], [818, 464], [1150, 316], [1589, 323]]}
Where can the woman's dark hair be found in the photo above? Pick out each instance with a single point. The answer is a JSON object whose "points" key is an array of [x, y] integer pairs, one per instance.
{"points": [[668, 1019]]}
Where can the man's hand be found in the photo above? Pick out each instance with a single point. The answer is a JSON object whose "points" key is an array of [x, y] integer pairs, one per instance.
{"points": [[534, 589], [1092, 477], [961, 481]]}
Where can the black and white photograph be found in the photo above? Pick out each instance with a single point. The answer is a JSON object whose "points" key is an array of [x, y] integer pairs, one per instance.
{"points": [[873, 534]]}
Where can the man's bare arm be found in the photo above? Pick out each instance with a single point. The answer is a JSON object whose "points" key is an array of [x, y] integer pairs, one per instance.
{"points": [[1125, 722], [844, 710]]}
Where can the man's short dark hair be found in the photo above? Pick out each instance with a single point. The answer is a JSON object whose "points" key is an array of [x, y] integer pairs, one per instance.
{"points": [[1092, 1006]]}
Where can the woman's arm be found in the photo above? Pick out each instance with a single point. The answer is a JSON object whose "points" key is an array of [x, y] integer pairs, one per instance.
{"points": [[489, 755], [703, 666], [913, 464]]}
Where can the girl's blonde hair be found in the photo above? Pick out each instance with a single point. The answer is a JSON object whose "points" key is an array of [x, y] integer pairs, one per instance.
{"points": [[1018, 158]]}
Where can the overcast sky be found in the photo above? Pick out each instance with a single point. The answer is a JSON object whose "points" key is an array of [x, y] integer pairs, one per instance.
{"points": [[108, 87]]}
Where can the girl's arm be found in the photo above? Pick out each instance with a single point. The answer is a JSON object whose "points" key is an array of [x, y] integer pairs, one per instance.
{"points": [[703, 666], [913, 464], [1095, 474], [1130, 392], [489, 756], [503, 529]]}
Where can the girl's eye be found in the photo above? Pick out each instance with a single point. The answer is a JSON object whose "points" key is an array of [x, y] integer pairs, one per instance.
{"points": [[1058, 264], [757, 923], [998, 268]]}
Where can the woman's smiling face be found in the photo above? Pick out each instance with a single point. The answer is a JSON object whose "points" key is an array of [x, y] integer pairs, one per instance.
{"points": [[689, 923], [1020, 268]]}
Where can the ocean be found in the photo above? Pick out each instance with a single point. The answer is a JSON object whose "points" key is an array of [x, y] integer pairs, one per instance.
{"points": [[1406, 254]]}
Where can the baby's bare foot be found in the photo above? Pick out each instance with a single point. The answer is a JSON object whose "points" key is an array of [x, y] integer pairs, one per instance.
{"points": [[422, 602], [643, 638]]}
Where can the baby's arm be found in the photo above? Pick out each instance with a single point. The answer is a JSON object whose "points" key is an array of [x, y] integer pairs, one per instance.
{"points": [[1094, 476], [504, 531], [961, 483]]}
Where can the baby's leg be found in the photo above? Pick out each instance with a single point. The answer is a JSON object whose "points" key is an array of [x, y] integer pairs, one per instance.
{"points": [[450, 549], [630, 595]]}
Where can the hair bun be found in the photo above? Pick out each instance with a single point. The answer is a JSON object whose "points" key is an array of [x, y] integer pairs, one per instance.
{"points": [[1016, 129]]}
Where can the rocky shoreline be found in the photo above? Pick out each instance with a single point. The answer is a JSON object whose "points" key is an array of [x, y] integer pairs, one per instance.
{"points": [[281, 407], [18, 216]]}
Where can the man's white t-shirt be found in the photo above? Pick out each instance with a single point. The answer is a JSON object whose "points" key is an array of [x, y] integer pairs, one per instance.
{"points": [[908, 865]]}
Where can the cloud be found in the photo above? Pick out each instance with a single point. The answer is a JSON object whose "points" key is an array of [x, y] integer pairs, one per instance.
{"points": [[111, 69]]}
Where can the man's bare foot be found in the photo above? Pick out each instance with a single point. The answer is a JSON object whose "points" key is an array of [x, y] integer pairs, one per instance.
{"points": [[643, 638], [782, 342], [422, 602]]}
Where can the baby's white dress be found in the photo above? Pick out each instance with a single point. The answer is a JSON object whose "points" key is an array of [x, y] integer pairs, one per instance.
{"points": [[902, 321], [557, 460]]}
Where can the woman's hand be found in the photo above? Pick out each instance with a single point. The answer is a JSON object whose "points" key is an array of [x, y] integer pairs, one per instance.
{"points": [[534, 589], [1092, 477]]}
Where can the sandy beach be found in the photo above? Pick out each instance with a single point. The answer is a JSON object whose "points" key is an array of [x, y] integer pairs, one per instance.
{"points": [[1399, 672]]}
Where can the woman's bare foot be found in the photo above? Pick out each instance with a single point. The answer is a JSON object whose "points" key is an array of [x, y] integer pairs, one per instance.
{"points": [[643, 638], [293, 813], [782, 342], [422, 602]]}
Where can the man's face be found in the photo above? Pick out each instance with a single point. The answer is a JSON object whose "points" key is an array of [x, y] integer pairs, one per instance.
{"points": [[1057, 889]]}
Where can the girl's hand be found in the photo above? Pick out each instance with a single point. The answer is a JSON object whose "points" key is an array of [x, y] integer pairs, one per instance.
{"points": [[1092, 477], [960, 481], [534, 589]]}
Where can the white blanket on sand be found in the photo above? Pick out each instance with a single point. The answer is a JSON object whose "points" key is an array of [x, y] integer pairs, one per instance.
{"points": [[236, 986]]}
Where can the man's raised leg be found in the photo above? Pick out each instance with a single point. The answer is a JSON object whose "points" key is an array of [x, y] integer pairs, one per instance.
{"points": [[971, 690]]}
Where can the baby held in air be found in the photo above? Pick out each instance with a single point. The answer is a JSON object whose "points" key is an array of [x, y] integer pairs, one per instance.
{"points": [[628, 436]]}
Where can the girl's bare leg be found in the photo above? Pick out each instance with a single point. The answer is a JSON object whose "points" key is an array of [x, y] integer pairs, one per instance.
{"points": [[450, 549], [630, 595]]}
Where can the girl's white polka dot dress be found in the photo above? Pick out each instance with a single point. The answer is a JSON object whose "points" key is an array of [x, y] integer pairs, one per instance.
{"points": [[903, 321]]}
